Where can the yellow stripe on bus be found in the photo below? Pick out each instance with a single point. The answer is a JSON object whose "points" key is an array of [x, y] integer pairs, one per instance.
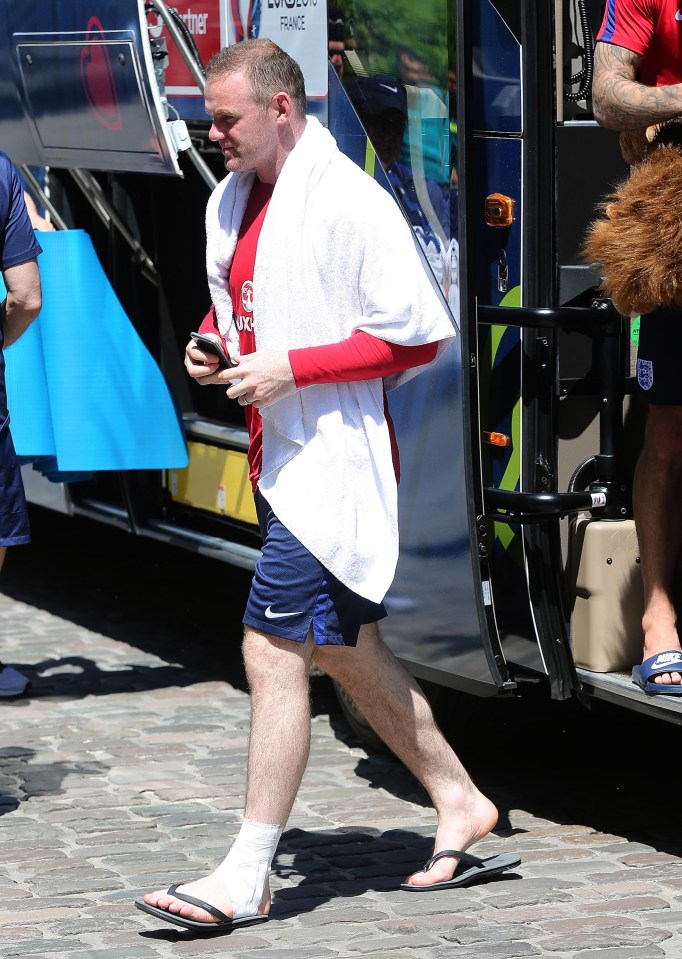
{"points": [[370, 158], [216, 480], [512, 474]]}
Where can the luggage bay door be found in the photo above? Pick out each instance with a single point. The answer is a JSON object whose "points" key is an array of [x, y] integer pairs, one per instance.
{"points": [[79, 88]]}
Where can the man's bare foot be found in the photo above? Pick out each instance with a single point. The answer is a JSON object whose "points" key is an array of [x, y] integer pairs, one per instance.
{"points": [[469, 818], [210, 889]]}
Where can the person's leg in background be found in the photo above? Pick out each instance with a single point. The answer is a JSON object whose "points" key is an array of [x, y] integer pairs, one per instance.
{"points": [[657, 487], [12, 682], [658, 518]]}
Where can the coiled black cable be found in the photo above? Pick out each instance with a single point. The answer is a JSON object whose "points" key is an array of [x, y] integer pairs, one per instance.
{"points": [[584, 76]]}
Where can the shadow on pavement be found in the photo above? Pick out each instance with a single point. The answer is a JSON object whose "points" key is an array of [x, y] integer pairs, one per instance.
{"points": [[336, 865], [73, 677], [23, 779], [573, 764], [178, 605], [558, 760]]}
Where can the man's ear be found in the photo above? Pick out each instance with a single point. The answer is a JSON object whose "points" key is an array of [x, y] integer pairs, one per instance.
{"points": [[282, 104]]}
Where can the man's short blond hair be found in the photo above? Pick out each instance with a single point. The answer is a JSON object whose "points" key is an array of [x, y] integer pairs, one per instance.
{"points": [[267, 68]]}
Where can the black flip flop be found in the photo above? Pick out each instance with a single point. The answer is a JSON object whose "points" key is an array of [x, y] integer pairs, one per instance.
{"points": [[469, 869], [224, 923]]}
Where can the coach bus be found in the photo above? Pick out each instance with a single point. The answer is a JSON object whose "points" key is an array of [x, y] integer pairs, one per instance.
{"points": [[519, 559]]}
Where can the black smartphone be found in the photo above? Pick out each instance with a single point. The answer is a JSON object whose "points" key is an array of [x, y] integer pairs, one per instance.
{"points": [[209, 345]]}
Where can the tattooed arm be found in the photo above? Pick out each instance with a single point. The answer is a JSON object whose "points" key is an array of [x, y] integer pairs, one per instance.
{"points": [[619, 101]]}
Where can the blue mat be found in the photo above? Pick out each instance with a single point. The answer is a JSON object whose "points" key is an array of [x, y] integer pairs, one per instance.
{"points": [[84, 392]]}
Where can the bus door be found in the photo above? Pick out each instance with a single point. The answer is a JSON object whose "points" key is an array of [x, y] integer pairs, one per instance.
{"points": [[508, 293]]}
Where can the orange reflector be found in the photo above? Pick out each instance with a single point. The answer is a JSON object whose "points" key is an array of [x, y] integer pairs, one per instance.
{"points": [[496, 439], [498, 210]]}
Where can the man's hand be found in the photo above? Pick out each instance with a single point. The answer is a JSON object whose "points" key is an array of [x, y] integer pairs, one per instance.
{"points": [[264, 377], [203, 367]]}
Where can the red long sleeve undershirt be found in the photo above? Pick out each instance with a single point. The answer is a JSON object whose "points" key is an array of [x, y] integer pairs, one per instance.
{"points": [[360, 357]]}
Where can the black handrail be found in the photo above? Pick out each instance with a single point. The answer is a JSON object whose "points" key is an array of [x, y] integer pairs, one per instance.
{"points": [[523, 507], [605, 324], [571, 319]]}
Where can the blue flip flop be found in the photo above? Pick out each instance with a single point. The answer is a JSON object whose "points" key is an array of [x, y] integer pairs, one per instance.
{"points": [[667, 662]]}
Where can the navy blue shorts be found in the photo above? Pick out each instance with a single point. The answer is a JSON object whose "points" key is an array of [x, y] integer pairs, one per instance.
{"points": [[659, 356], [293, 593]]}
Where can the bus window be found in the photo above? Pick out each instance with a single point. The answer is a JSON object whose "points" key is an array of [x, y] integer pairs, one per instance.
{"points": [[402, 96]]}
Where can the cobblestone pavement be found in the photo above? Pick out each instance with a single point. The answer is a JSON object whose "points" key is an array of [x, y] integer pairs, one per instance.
{"points": [[122, 769]]}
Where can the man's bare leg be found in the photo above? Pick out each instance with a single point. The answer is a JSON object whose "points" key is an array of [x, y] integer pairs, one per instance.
{"points": [[399, 712], [657, 496], [278, 674]]}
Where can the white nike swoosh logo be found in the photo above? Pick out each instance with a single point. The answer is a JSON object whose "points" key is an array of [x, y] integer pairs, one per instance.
{"points": [[667, 662], [678, 14], [270, 615], [395, 89]]}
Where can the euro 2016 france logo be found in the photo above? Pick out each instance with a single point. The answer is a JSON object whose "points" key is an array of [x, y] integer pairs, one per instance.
{"points": [[247, 296], [645, 374]]}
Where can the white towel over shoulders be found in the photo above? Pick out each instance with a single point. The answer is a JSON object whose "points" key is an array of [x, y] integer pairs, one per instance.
{"points": [[334, 255]]}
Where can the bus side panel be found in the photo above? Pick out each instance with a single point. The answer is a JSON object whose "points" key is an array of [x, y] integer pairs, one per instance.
{"points": [[433, 594], [433, 624]]}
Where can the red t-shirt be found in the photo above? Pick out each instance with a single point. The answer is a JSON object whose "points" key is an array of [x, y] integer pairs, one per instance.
{"points": [[241, 292], [360, 357], [652, 29]]}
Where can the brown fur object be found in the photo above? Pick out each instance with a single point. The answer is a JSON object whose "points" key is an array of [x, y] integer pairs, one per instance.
{"points": [[634, 145], [638, 241]]}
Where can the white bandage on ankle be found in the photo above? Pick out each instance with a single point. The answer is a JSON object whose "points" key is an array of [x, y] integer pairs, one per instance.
{"points": [[246, 867]]}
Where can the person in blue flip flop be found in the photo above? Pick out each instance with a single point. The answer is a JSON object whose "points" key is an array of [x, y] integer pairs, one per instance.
{"points": [[638, 84], [319, 297]]}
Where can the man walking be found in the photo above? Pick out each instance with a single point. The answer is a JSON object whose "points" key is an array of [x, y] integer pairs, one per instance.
{"points": [[320, 300]]}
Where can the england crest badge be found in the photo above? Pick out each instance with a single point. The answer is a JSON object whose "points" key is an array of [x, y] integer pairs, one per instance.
{"points": [[645, 374]]}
